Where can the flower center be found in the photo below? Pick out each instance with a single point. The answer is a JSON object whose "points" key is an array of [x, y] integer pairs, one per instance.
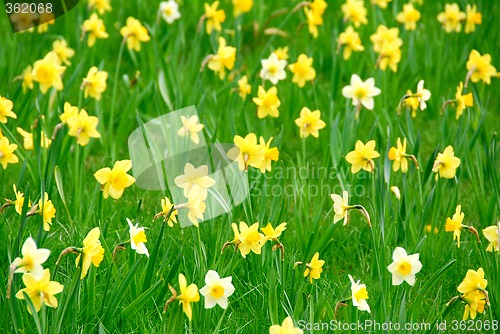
{"points": [[361, 294], [273, 69], [404, 268], [360, 92], [217, 291], [253, 237]]}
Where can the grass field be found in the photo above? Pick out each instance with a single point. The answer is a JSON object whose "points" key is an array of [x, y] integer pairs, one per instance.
{"points": [[179, 65]]}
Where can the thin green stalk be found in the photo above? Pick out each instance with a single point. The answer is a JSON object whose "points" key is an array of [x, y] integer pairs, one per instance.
{"points": [[113, 98]]}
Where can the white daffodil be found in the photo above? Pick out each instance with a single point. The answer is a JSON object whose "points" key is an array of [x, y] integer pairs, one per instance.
{"points": [[404, 267], [217, 290], [361, 92], [32, 259], [169, 10], [273, 69], [138, 238], [190, 127], [359, 295], [195, 181]]}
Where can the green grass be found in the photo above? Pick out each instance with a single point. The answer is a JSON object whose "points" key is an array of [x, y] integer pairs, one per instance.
{"points": [[128, 295]]}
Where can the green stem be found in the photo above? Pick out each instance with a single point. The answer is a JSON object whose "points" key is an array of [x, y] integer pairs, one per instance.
{"points": [[115, 91]]}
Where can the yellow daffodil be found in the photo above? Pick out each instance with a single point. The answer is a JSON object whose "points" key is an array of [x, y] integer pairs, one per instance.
{"points": [[32, 260], [40, 290], [359, 295], [462, 101], [389, 56], [196, 208], [398, 155], [243, 87], [248, 238], [412, 102], [48, 71], [215, 17], [95, 83], [137, 238], [7, 155], [480, 67], [189, 294], [69, 111], [247, 152], [217, 290], [455, 225], [309, 123], [166, 206], [114, 181], [272, 233], [96, 29], [473, 17], [361, 92], [270, 154], [473, 281], [63, 52], [351, 42], [341, 207], [45, 141], [83, 127], [101, 6], [381, 3], [355, 12], [169, 11], [195, 181], [314, 268], [302, 70], [27, 78], [282, 53], [404, 267], [313, 21], [134, 33], [318, 6], [19, 201], [492, 234], [474, 303], [47, 210], [383, 36], [91, 253], [287, 327], [224, 58], [409, 16], [451, 18], [241, 7], [190, 128], [6, 106], [273, 69], [267, 102], [446, 163], [362, 156]]}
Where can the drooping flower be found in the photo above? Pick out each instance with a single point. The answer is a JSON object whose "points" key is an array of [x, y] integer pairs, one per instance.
{"points": [[409, 16], [241, 7], [359, 295], [474, 303], [243, 87], [361, 92], [480, 67], [83, 127], [190, 128], [95, 83], [267, 102], [224, 58], [273, 69], [32, 260], [101, 6], [314, 268], [215, 17], [270, 154], [309, 123], [422, 95], [63, 52], [287, 327], [166, 206], [19, 201], [217, 290], [6, 106], [96, 29], [404, 267], [45, 141], [455, 225], [7, 155], [196, 208], [137, 238], [91, 253], [473, 281], [398, 155], [40, 290], [189, 294], [362, 156], [134, 33], [48, 71], [114, 181], [169, 11], [355, 12], [47, 210], [473, 17], [451, 18], [341, 207], [302, 70], [351, 42], [491, 233], [247, 152], [446, 163], [195, 181], [462, 101]]}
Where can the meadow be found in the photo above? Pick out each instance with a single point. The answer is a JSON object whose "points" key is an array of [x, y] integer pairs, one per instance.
{"points": [[369, 127]]}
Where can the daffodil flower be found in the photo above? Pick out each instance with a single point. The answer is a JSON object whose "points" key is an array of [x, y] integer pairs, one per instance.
{"points": [[409, 16], [302, 70], [95, 83], [63, 52], [355, 12], [6, 106], [351, 42], [247, 152], [169, 11], [96, 29], [189, 294], [309, 123], [134, 33], [168, 216], [223, 59], [359, 295], [114, 181], [314, 268], [451, 18], [404, 267], [190, 127], [267, 102], [7, 155], [492, 234], [195, 181], [287, 327], [341, 208], [446, 163], [40, 290], [32, 259], [361, 92], [137, 238], [473, 281], [215, 17], [243, 87], [91, 253], [83, 127], [101, 6], [48, 71], [362, 156], [270, 154], [273, 69], [47, 210], [217, 290]]}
